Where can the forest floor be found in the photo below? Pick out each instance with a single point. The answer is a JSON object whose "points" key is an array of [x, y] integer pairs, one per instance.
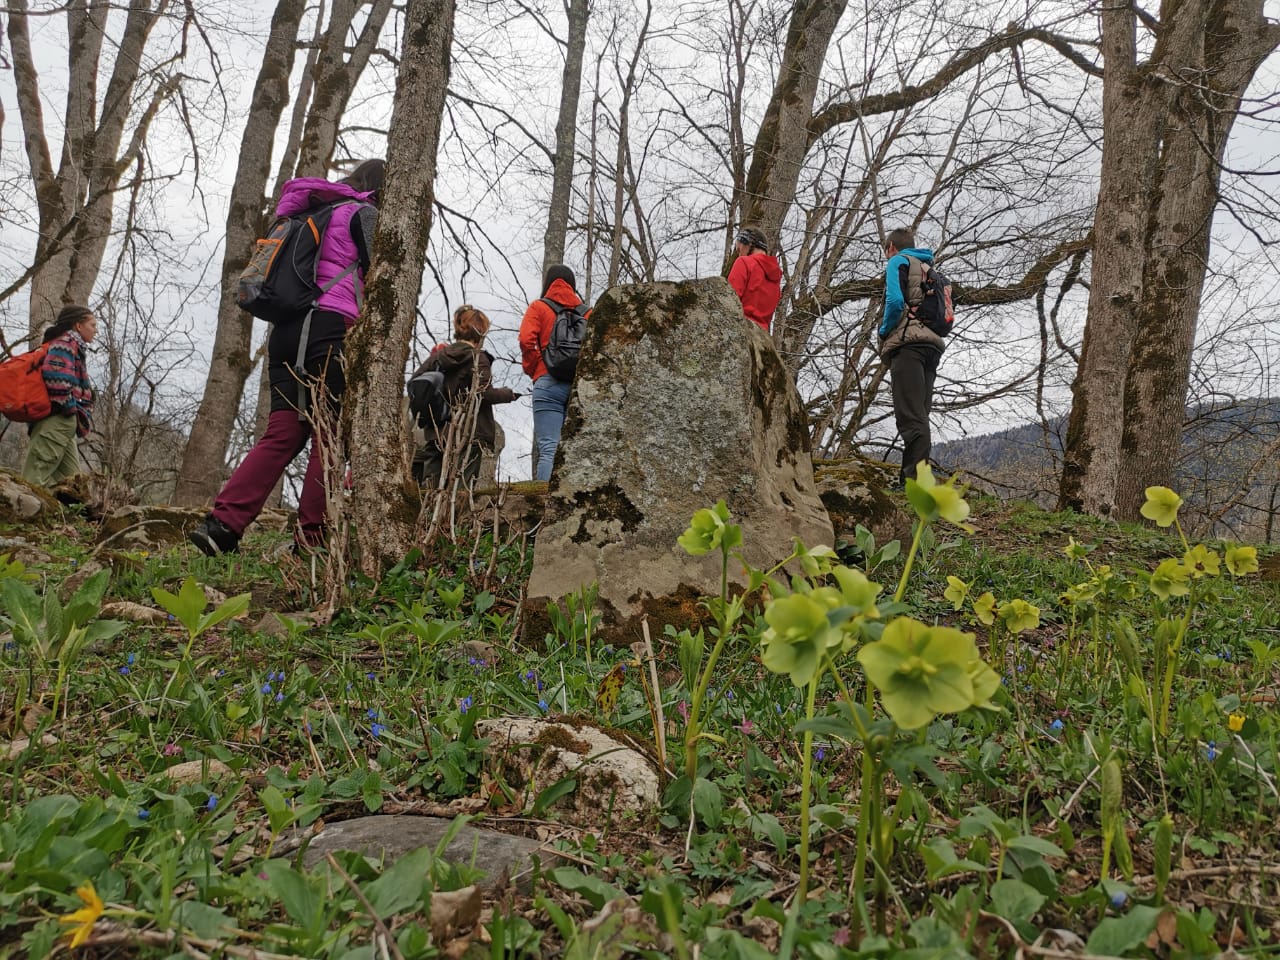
{"points": [[1116, 797]]}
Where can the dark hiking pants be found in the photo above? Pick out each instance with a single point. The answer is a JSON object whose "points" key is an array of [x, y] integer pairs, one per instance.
{"points": [[288, 433], [912, 369]]}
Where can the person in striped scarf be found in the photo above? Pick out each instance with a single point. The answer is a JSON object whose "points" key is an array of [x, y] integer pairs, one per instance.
{"points": [[52, 454]]}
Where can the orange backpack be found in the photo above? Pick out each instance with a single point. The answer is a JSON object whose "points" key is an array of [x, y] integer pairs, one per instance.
{"points": [[23, 395]]}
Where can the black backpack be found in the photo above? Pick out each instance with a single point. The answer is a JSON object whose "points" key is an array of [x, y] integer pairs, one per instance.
{"points": [[935, 310], [561, 352], [279, 282], [427, 400]]}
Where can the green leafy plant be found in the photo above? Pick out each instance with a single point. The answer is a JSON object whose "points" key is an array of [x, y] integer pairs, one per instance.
{"points": [[53, 634]]}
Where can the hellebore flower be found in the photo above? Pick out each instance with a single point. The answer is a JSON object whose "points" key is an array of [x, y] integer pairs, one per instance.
{"points": [[710, 530], [1018, 615], [1242, 560], [984, 608], [922, 671], [957, 592], [1170, 580], [85, 917], [1161, 506], [799, 635], [932, 500], [1201, 561]]}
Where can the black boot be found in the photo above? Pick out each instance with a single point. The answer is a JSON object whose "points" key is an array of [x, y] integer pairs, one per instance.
{"points": [[213, 537]]}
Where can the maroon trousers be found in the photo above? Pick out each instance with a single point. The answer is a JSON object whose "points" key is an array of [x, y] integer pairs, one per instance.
{"points": [[241, 498]]}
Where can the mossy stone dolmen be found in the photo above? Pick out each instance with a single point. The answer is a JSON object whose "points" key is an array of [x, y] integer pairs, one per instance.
{"points": [[679, 401]]}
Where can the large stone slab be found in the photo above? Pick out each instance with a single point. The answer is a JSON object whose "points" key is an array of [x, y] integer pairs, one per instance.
{"points": [[679, 401], [501, 856]]}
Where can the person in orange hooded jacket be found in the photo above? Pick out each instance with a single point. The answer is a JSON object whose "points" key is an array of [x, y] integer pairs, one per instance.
{"points": [[756, 277], [550, 396]]}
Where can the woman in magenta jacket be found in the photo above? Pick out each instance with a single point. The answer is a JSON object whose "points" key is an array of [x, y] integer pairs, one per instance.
{"points": [[317, 340]]}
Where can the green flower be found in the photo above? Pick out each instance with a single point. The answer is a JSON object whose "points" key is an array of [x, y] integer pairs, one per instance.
{"points": [[710, 530], [799, 634], [932, 500], [1242, 560], [814, 560], [1200, 561], [1075, 551], [1170, 580], [1161, 506], [957, 592], [921, 671], [1018, 615], [984, 608], [857, 591]]}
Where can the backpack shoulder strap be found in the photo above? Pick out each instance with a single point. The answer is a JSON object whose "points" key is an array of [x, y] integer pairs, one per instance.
{"points": [[915, 279]]}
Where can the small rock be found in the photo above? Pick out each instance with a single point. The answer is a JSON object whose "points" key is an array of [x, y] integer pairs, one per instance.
{"points": [[473, 650], [15, 748], [388, 838], [195, 771], [74, 582], [21, 501], [529, 752], [133, 612]]}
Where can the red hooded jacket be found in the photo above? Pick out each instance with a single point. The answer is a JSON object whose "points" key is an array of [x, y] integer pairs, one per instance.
{"points": [[535, 328], [756, 279]]}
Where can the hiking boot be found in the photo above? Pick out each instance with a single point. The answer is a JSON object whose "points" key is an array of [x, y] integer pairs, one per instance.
{"points": [[213, 537]]}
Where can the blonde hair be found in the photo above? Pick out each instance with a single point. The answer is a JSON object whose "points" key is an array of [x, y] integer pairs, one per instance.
{"points": [[470, 324]]}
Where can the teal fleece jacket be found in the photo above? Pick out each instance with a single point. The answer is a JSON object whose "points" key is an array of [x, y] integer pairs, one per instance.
{"points": [[895, 300]]}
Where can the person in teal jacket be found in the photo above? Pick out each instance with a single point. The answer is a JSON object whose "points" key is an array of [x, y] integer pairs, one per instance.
{"points": [[910, 349]]}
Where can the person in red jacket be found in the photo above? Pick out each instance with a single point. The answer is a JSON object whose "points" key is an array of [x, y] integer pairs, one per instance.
{"points": [[550, 396], [756, 277]]}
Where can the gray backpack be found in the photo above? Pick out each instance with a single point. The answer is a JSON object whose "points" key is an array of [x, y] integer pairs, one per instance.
{"points": [[561, 352]]}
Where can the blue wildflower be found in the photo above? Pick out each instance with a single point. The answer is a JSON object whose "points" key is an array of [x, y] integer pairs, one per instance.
{"points": [[129, 659], [464, 704], [124, 671], [539, 686], [1056, 726], [542, 705], [820, 754], [212, 803], [371, 713], [1119, 899], [1211, 751], [377, 729], [279, 698], [144, 814], [530, 676], [266, 688], [371, 675]]}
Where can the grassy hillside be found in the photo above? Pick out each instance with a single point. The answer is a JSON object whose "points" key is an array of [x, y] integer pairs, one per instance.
{"points": [[1113, 793]]}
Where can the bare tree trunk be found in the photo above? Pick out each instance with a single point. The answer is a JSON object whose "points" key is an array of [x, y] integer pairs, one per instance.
{"points": [[335, 79], [1235, 44], [1156, 199], [202, 470], [1134, 108], [386, 501], [620, 159], [75, 201], [783, 138], [553, 240]]}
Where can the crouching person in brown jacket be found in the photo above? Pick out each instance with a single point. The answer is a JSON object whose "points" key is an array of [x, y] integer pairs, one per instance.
{"points": [[469, 389]]}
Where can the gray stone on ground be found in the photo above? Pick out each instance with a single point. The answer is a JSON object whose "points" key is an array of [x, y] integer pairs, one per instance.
{"points": [[388, 838], [19, 501], [679, 401], [530, 754]]}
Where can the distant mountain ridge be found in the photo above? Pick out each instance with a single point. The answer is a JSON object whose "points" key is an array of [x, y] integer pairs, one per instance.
{"points": [[1229, 471]]}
